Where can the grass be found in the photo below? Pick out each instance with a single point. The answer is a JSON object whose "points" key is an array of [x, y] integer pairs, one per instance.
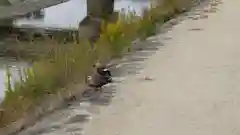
{"points": [[72, 62]]}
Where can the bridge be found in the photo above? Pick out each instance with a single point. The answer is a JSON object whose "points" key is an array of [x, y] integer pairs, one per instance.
{"points": [[96, 10], [22, 8], [10, 9]]}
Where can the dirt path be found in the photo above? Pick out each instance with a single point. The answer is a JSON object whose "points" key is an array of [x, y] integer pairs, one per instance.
{"points": [[193, 88], [196, 89]]}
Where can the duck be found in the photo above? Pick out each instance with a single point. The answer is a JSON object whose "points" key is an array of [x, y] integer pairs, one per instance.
{"points": [[100, 77]]}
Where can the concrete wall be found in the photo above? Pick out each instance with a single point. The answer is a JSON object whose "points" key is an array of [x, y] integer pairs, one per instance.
{"points": [[100, 8], [97, 10], [4, 3], [14, 1], [6, 23], [89, 28]]}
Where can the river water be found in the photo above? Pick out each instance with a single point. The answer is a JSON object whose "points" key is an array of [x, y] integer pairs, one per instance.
{"points": [[14, 67], [65, 15], [69, 14]]}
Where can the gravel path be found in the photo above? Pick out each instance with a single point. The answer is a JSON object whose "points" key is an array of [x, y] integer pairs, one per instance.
{"points": [[195, 88]]}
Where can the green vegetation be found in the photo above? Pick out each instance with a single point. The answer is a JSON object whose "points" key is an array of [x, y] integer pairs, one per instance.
{"points": [[71, 62]]}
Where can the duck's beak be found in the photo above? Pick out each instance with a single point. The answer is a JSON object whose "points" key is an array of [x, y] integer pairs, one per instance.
{"points": [[105, 69], [89, 78]]}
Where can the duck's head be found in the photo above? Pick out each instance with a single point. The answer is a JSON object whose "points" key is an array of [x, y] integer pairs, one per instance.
{"points": [[89, 78]]}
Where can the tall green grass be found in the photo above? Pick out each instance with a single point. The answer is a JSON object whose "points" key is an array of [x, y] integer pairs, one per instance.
{"points": [[72, 62]]}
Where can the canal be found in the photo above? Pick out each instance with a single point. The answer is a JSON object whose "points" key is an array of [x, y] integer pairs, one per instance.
{"points": [[65, 15]]}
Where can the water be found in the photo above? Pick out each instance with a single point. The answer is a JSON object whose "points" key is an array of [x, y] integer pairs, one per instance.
{"points": [[69, 14], [14, 66], [65, 15]]}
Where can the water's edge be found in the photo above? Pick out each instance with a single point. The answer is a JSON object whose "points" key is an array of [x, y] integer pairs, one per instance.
{"points": [[60, 16], [65, 96]]}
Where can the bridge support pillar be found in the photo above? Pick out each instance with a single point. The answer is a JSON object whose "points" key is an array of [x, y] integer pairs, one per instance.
{"points": [[6, 22], [97, 10], [100, 8], [5, 27], [5, 3]]}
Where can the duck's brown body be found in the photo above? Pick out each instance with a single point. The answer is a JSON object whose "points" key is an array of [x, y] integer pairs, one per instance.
{"points": [[100, 77]]}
